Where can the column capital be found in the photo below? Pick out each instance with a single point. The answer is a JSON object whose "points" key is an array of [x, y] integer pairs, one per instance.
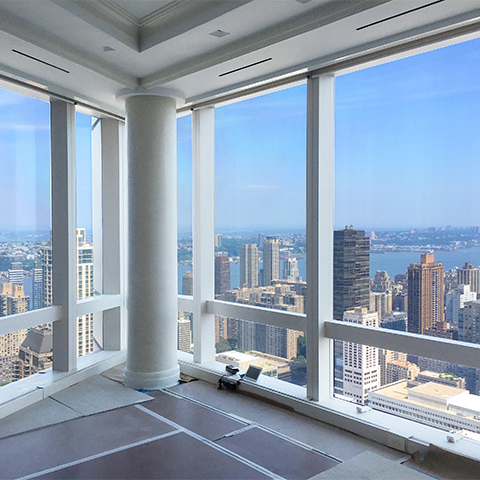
{"points": [[178, 95]]}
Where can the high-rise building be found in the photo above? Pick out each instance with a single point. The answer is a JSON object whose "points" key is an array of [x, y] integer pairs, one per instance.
{"points": [[222, 274], [187, 283], [16, 273], [85, 289], [249, 265], [361, 369], [469, 275], [381, 303], [38, 286], [260, 238], [455, 300], [184, 335], [351, 263], [47, 276], [271, 260], [290, 269], [218, 240], [425, 294], [381, 282]]}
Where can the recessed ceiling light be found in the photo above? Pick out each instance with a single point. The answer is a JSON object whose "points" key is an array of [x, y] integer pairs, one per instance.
{"points": [[302, 1], [219, 33], [107, 48]]}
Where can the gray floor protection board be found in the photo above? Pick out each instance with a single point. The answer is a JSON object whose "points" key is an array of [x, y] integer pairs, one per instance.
{"points": [[98, 394], [369, 466], [40, 414]]}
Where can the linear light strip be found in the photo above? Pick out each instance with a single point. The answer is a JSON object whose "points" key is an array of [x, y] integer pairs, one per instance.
{"points": [[245, 66], [399, 14], [40, 61]]}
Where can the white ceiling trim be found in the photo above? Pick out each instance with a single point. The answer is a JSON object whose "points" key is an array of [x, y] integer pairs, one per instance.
{"points": [[29, 33], [163, 26], [107, 17], [319, 17]]}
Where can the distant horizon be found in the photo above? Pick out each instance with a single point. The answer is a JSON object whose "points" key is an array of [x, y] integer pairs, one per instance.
{"points": [[250, 232]]}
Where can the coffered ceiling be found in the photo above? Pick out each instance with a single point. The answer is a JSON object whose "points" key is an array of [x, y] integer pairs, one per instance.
{"points": [[91, 50]]}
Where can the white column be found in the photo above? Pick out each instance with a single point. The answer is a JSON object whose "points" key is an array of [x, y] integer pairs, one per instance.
{"points": [[152, 242]]}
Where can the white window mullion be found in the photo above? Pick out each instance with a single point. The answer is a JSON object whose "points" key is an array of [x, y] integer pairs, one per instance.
{"points": [[320, 208], [64, 257], [203, 233], [113, 327]]}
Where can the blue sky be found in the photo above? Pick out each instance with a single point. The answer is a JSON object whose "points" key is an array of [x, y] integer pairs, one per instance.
{"points": [[407, 152]]}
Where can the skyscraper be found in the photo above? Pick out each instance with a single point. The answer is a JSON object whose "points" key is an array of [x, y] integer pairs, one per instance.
{"points": [[271, 260], [84, 290], [16, 273], [38, 286], [425, 294], [249, 265], [351, 264], [361, 369], [290, 269], [222, 274], [187, 283], [469, 275]]}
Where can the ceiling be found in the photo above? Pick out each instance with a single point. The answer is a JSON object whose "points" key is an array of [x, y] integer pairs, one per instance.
{"points": [[92, 49]]}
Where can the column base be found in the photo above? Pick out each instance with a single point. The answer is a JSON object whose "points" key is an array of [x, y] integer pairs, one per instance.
{"points": [[153, 380]]}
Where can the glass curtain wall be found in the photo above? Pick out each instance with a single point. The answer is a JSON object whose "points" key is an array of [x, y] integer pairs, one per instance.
{"points": [[407, 240]]}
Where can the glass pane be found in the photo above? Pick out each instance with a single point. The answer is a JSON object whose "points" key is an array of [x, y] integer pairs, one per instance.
{"points": [[25, 220], [280, 352], [184, 196], [410, 260], [260, 200]]}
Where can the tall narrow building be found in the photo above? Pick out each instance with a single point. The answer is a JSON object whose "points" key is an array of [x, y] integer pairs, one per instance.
{"points": [[271, 260], [222, 274], [187, 283], [38, 286], [425, 294], [85, 340], [361, 369], [351, 265], [249, 265]]}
